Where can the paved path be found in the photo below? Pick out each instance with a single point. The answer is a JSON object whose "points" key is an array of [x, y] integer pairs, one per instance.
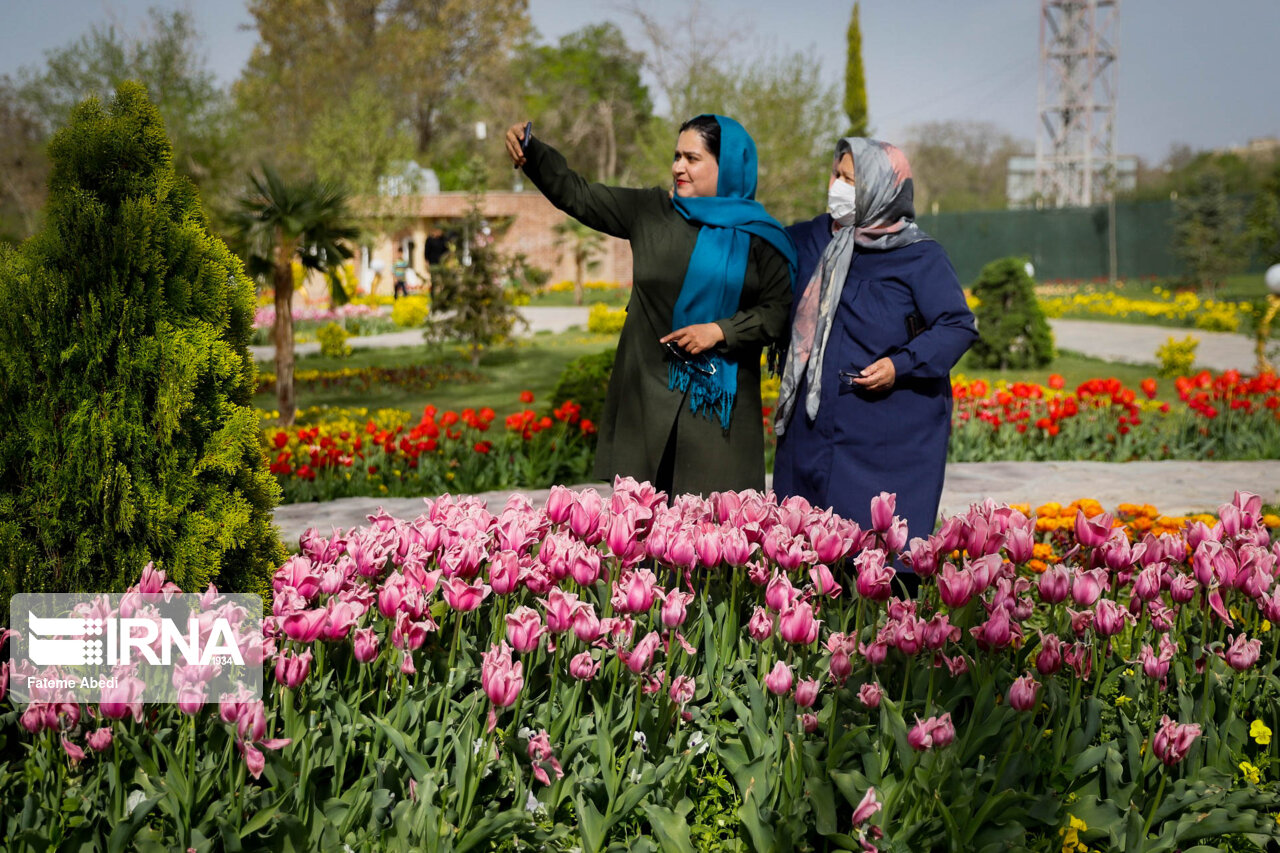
{"points": [[1175, 488], [1135, 344], [539, 320], [1123, 342]]}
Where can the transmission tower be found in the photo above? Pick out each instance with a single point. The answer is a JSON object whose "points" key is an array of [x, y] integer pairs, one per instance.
{"points": [[1075, 145]]}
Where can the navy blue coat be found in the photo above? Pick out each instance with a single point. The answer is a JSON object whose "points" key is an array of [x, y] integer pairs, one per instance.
{"points": [[863, 443]]}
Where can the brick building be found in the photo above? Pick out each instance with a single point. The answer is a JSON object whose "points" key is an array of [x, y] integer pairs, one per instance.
{"points": [[523, 220]]}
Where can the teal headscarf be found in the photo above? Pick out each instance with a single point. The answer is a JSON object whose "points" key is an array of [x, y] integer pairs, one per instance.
{"points": [[713, 282]]}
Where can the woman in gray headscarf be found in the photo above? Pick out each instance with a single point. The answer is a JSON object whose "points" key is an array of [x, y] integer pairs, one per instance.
{"points": [[879, 321]]}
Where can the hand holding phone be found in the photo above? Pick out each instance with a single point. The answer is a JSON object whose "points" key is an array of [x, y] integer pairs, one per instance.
{"points": [[524, 139]]}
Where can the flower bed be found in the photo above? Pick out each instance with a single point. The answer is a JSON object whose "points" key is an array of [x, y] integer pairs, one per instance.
{"points": [[1181, 308], [413, 377], [1223, 417], [441, 452], [715, 674]]}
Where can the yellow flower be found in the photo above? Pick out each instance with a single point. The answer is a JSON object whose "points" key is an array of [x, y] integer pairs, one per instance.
{"points": [[1265, 626], [1123, 700], [1260, 733], [1250, 772]]}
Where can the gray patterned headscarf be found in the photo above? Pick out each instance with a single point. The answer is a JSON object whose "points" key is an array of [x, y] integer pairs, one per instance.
{"points": [[885, 220]]}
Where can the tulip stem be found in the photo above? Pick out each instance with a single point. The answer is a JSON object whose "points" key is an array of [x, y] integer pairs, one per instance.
{"points": [[1155, 805]]}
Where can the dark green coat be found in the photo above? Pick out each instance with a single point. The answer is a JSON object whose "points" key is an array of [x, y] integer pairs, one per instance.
{"points": [[641, 411]]}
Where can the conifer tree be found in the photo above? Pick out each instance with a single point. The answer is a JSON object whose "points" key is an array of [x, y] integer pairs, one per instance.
{"points": [[126, 429], [855, 80], [1012, 330]]}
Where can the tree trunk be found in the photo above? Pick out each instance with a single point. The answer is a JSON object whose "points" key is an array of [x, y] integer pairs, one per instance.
{"points": [[282, 278], [579, 276]]}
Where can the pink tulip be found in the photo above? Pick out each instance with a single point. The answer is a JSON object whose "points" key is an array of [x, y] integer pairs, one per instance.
{"points": [[635, 591], [797, 625], [1204, 560], [408, 634], [505, 572], [779, 679], [622, 536], [870, 694], [501, 679], [99, 740], [1019, 544], [340, 617], [682, 549], [1156, 666], [306, 626], [840, 666], [1182, 588], [807, 692], [641, 656], [955, 588], [524, 629], [1087, 587], [584, 516], [682, 690], [1173, 740], [561, 608], [582, 667], [586, 626], [1080, 658], [559, 501], [874, 578], [930, 733], [1146, 585], [875, 653], [760, 627], [462, 596], [1218, 609], [674, 607], [1110, 618], [939, 631], [1054, 584], [824, 582], [828, 544], [123, 700], [1199, 532], [997, 632], [1161, 617], [866, 808], [365, 645], [808, 722], [1242, 653], [390, 594], [707, 544], [292, 669], [786, 550], [1049, 658], [1022, 693], [883, 507], [584, 564], [736, 549], [1093, 532], [779, 593], [253, 759], [923, 557]]}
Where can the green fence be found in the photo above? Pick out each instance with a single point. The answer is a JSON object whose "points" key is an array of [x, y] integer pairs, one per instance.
{"points": [[1072, 243]]}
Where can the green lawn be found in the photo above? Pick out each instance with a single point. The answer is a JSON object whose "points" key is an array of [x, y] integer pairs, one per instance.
{"points": [[613, 297], [532, 364]]}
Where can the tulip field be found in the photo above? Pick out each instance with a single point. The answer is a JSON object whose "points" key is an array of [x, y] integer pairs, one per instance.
{"points": [[731, 673], [341, 453]]}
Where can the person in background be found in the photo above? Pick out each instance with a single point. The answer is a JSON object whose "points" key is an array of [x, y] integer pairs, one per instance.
{"points": [[880, 319], [400, 274], [712, 287]]}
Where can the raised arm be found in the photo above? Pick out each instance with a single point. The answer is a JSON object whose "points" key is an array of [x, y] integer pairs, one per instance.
{"points": [[604, 208]]}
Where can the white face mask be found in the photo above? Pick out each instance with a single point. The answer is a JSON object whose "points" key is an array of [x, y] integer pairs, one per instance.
{"points": [[842, 202]]}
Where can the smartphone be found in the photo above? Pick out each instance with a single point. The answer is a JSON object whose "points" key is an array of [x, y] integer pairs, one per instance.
{"points": [[524, 140]]}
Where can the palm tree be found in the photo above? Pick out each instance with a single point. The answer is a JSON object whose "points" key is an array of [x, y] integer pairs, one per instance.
{"points": [[279, 222], [584, 245]]}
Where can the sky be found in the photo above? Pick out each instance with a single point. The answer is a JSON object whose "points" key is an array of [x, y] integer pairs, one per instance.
{"points": [[1184, 75]]}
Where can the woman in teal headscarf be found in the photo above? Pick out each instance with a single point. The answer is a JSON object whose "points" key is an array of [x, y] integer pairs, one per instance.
{"points": [[712, 286]]}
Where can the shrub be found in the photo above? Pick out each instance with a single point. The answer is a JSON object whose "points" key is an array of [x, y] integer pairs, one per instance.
{"points": [[585, 380], [1177, 357], [410, 312], [1219, 318], [127, 433], [604, 320], [1012, 330], [333, 340]]}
